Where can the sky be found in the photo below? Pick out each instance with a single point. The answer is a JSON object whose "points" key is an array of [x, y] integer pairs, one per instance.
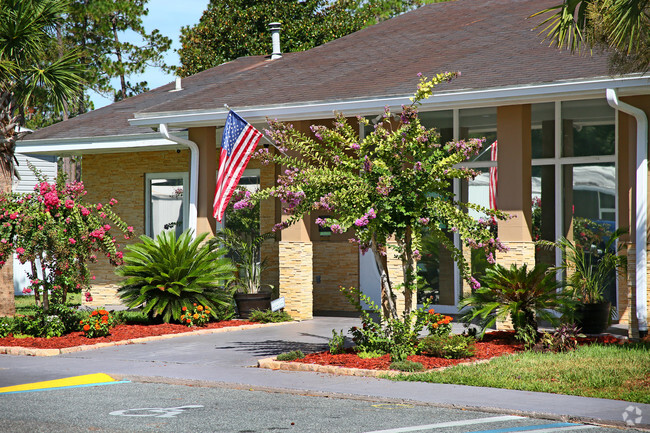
{"points": [[168, 16]]}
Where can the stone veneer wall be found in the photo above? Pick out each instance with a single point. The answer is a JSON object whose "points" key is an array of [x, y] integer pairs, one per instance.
{"points": [[626, 295], [337, 264], [520, 253], [121, 176], [296, 278]]}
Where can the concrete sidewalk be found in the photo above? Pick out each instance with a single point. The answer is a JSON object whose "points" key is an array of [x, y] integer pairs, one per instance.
{"points": [[229, 359]]}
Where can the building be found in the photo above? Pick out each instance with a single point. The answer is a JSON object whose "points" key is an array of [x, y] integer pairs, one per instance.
{"points": [[570, 136]]}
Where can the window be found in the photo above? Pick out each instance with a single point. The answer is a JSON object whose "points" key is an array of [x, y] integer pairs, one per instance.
{"points": [[167, 203]]}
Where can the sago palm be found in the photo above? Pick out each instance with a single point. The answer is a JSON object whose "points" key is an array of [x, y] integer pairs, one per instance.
{"points": [[166, 274], [527, 296]]}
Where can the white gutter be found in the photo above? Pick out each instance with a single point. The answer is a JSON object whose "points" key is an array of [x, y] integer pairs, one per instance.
{"points": [[194, 172], [641, 206]]}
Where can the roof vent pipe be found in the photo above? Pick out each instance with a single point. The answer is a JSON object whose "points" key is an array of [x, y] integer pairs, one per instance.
{"points": [[274, 28]]}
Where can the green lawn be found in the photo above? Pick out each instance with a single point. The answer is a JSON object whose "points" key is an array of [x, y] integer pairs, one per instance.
{"points": [[620, 372], [25, 304]]}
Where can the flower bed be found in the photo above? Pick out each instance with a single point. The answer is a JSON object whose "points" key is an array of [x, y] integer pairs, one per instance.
{"points": [[493, 344], [118, 333]]}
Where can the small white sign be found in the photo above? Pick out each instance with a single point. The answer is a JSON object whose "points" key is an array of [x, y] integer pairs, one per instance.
{"points": [[277, 304]]}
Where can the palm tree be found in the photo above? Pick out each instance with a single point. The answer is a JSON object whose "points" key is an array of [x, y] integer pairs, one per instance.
{"points": [[622, 26], [27, 38]]}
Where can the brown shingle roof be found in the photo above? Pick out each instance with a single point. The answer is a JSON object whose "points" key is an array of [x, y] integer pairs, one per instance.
{"points": [[490, 41]]}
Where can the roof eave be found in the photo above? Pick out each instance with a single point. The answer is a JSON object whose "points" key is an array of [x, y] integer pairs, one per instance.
{"points": [[101, 144], [534, 93]]}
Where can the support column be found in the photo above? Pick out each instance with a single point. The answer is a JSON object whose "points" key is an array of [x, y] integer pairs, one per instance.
{"points": [[205, 138], [514, 194], [296, 270], [514, 191]]}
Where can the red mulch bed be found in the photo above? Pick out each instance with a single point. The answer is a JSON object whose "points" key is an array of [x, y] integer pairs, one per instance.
{"points": [[492, 345], [118, 333]]}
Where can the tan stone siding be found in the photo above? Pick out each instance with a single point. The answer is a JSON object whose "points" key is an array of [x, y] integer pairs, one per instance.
{"points": [[627, 296], [337, 264], [121, 176], [7, 302], [296, 278], [396, 274], [520, 253]]}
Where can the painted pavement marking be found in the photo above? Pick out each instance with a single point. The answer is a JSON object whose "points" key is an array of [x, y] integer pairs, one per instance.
{"points": [[68, 382], [159, 412], [450, 424], [541, 428]]}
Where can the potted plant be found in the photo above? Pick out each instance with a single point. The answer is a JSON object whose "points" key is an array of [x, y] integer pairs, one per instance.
{"points": [[241, 237], [244, 250], [588, 271]]}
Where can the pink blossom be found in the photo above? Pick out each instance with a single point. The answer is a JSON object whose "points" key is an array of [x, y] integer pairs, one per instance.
{"points": [[69, 204], [130, 229], [99, 206], [27, 290], [20, 250], [84, 211], [72, 241], [107, 227], [13, 216], [113, 202], [119, 254]]}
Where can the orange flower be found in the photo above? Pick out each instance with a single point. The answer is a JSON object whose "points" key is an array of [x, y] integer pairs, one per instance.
{"points": [[194, 304], [81, 322], [207, 311], [182, 317], [94, 313], [86, 328], [196, 316], [431, 311], [104, 319], [189, 320], [97, 327], [184, 308], [200, 308], [435, 325], [103, 312]]}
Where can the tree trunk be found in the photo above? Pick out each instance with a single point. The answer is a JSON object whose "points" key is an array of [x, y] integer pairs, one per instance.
{"points": [[118, 53], [407, 268], [7, 145], [387, 296]]}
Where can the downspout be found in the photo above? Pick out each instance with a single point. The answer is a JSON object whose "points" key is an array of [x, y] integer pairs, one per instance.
{"points": [[194, 172], [641, 206]]}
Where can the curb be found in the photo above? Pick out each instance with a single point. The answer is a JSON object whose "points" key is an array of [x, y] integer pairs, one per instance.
{"points": [[30, 351], [274, 364]]}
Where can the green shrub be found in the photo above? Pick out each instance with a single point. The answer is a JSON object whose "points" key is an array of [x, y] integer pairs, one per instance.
{"points": [[406, 366], [369, 355], [128, 317], [563, 339], [290, 356], [450, 347], [526, 296], [268, 316], [39, 324], [6, 326], [166, 274], [337, 343], [69, 316]]}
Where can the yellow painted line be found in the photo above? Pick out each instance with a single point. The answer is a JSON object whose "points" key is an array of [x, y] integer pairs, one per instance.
{"points": [[85, 380]]}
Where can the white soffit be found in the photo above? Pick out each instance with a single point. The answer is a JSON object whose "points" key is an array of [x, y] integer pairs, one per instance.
{"points": [[585, 89], [104, 144]]}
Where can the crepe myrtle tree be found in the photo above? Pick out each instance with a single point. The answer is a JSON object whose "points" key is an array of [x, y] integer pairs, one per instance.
{"points": [[53, 227], [387, 186]]}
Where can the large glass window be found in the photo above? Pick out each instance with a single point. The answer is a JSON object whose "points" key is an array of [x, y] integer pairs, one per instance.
{"points": [[574, 176], [166, 202]]}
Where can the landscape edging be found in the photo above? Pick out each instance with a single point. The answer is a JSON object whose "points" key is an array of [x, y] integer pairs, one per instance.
{"points": [[31, 351]]}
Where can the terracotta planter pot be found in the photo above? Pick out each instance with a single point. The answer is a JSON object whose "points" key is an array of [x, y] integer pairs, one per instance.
{"points": [[593, 318], [247, 302]]}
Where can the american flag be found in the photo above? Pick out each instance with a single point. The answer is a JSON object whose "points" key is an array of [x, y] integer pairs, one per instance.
{"points": [[237, 146], [493, 177]]}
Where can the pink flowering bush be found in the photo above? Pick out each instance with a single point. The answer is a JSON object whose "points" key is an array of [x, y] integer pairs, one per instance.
{"points": [[54, 227], [392, 184]]}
